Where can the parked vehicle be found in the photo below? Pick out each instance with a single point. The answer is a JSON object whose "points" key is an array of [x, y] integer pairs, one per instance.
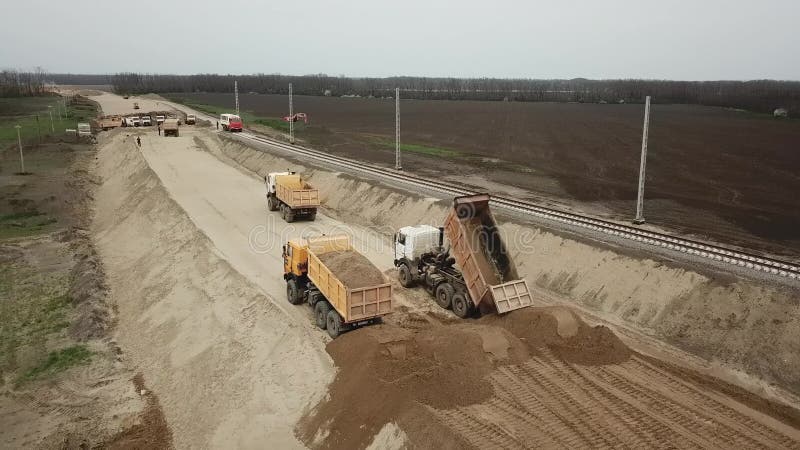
{"points": [[230, 122], [107, 122], [84, 129], [159, 120], [339, 304], [146, 121], [171, 127], [190, 119], [294, 197], [472, 269], [135, 105]]}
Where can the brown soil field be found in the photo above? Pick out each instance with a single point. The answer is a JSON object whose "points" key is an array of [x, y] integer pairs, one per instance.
{"points": [[717, 173]]}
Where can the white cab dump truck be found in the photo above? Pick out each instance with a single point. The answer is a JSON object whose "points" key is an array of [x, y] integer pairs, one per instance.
{"points": [[465, 264], [293, 196]]}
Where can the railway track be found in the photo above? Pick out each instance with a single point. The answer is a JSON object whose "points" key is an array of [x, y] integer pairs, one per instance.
{"points": [[713, 252]]}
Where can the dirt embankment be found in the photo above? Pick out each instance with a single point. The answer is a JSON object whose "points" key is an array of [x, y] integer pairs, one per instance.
{"points": [[537, 377], [229, 366], [64, 382], [735, 323]]}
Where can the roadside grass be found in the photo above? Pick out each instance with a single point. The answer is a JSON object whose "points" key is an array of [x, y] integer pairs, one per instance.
{"points": [[31, 113], [275, 123], [57, 362], [34, 311], [25, 224]]}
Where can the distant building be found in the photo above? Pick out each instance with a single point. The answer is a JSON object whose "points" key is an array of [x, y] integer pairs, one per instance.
{"points": [[780, 112]]}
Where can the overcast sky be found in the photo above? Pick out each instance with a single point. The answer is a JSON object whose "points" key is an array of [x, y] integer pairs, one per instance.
{"points": [[664, 39]]}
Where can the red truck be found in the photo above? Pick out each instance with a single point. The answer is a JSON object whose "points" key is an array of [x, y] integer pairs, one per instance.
{"points": [[230, 122]]}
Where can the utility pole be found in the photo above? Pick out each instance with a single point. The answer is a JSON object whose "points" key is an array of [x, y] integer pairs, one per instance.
{"points": [[397, 163], [640, 197], [21, 158], [236, 95], [291, 116], [38, 131], [50, 112]]}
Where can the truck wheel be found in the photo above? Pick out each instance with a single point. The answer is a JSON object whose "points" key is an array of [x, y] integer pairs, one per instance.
{"points": [[289, 216], [321, 311], [462, 306], [312, 217], [272, 204], [293, 293], [283, 212], [334, 324], [444, 295], [404, 276]]}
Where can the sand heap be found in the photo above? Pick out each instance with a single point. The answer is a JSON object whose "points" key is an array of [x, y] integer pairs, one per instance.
{"points": [[404, 372], [352, 268]]}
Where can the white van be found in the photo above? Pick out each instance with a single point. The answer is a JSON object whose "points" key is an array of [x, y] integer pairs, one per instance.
{"points": [[230, 122]]}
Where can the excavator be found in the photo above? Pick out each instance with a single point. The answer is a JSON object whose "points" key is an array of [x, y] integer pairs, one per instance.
{"points": [[296, 117]]}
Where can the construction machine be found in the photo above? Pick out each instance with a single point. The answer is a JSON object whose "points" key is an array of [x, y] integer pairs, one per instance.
{"points": [[465, 264], [293, 196], [296, 117], [342, 298]]}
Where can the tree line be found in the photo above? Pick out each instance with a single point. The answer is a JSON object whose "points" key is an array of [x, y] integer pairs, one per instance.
{"points": [[15, 83], [757, 95]]}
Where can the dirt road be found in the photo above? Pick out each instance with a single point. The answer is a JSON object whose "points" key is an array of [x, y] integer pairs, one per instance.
{"points": [[194, 262]]}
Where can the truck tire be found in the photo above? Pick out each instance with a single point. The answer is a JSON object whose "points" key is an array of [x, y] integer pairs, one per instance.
{"points": [[313, 216], [272, 204], [462, 306], [334, 324], [321, 311], [289, 215], [283, 212], [404, 276], [444, 295], [293, 293]]}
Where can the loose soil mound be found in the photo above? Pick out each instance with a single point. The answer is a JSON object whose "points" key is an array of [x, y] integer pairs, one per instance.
{"points": [[401, 373], [565, 334], [352, 268]]}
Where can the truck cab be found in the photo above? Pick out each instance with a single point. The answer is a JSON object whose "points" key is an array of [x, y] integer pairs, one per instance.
{"points": [[410, 243], [230, 122], [295, 260], [190, 119]]}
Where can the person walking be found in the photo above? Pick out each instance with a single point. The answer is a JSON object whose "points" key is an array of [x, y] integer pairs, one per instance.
{"points": [[159, 130], [218, 125], [138, 141]]}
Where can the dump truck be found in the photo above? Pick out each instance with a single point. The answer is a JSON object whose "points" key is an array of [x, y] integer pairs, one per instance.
{"points": [[342, 286], [170, 127], [294, 197], [135, 105], [465, 264], [107, 122], [191, 119]]}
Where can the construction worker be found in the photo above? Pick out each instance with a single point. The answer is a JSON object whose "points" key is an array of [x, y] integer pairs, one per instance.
{"points": [[138, 141], [159, 130], [218, 125]]}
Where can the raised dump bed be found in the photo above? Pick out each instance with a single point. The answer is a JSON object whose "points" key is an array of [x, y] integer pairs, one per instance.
{"points": [[476, 245]]}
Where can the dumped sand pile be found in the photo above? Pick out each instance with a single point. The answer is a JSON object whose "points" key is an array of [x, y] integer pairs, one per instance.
{"points": [[398, 373], [533, 378], [352, 268]]}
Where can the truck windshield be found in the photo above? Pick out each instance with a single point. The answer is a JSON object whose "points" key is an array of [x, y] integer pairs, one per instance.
{"points": [[235, 119]]}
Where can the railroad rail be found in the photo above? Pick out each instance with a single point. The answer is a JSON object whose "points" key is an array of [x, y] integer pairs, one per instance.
{"points": [[713, 252]]}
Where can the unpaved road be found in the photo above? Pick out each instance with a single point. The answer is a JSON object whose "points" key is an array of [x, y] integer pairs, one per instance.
{"points": [[216, 301]]}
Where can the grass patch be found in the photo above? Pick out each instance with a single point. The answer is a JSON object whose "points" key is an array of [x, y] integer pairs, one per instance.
{"points": [[31, 113], [275, 123], [23, 224], [34, 307], [57, 362], [423, 149]]}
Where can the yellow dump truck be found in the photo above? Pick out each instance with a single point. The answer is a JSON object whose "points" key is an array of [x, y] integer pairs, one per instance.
{"points": [[294, 197], [170, 127], [107, 122], [342, 286]]}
